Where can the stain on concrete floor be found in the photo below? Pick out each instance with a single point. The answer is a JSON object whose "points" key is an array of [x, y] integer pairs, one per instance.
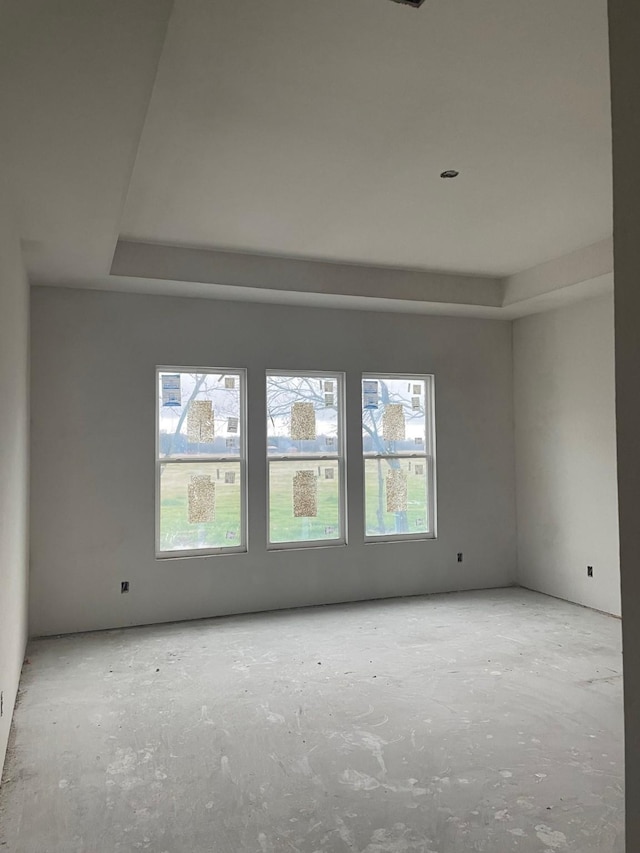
{"points": [[487, 721]]}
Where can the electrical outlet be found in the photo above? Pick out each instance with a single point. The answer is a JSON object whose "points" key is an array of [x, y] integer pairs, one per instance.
{"points": [[459, 556], [589, 571], [124, 586]]}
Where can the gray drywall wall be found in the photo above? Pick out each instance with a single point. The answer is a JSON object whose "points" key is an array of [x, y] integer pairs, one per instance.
{"points": [[564, 403], [624, 26], [14, 419], [93, 419]]}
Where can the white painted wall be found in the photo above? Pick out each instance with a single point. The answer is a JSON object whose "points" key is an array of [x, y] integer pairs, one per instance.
{"points": [[93, 361], [14, 352], [566, 453]]}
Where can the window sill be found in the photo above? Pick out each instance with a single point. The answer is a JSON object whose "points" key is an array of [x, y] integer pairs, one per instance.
{"points": [[410, 537], [189, 555]]}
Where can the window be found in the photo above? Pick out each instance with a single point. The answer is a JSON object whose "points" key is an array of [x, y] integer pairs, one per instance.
{"points": [[200, 461], [398, 447], [305, 453]]}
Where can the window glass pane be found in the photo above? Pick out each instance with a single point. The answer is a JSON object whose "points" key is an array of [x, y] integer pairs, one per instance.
{"points": [[395, 496], [199, 414], [200, 505], [304, 501], [302, 414], [394, 415]]}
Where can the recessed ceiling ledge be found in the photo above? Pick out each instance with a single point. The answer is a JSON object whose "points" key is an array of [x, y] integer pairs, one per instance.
{"points": [[268, 272], [594, 262]]}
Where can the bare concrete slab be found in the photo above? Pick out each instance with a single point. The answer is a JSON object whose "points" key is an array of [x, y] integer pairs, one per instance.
{"points": [[486, 721]]}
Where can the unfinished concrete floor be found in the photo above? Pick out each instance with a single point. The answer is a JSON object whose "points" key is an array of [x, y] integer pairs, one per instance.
{"points": [[486, 721]]}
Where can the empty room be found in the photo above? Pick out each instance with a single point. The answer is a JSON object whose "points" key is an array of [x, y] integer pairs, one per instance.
{"points": [[318, 458]]}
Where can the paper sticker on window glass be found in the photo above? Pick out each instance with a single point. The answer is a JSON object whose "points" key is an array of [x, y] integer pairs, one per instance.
{"points": [[305, 494], [202, 499], [370, 394], [171, 393], [396, 490], [200, 422], [393, 424], [303, 422]]}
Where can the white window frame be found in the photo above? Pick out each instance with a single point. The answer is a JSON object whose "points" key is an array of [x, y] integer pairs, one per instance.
{"points": [[428, 455], [241, 457], [339, 457]]}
